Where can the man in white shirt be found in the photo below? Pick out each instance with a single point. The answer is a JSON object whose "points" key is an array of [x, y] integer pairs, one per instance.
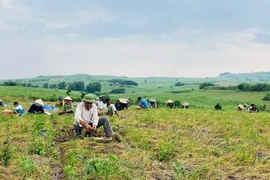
{"points": [[86, 116], [110, 108], [99, 103], [18, 108]]}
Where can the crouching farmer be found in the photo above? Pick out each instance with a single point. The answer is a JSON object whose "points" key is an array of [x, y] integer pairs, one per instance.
{"points": [[86, 116]]}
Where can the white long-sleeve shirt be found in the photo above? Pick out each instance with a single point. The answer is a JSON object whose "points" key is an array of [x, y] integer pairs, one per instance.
{"points": [[99, 104], [18, 107], [88, 116], [106, 108]]}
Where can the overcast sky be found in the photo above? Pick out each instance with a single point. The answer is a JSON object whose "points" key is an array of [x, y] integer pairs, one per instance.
{"points": [[135, 38]]}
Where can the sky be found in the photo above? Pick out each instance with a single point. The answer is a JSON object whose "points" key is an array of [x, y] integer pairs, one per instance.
{"points": [[172, 38]]}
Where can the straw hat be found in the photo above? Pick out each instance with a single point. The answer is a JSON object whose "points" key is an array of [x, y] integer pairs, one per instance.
{"points": [[185, 104], [241, 106], [152, 100], [39, 101], [124, 101], [170, 101], [68, 98]]}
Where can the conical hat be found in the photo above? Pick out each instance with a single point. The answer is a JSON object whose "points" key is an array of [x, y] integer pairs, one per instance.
{"points": [[152, 100], [39, 101], [241, 106], [124, 101], [185, 104], [170, 101], [68, 98]]}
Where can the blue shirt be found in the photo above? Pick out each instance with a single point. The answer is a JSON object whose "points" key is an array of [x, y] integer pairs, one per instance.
{"points": [[143, 103]]}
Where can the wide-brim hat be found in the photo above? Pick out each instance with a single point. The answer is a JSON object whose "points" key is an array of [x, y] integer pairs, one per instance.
{"points": [[68, 98], [170, 101], [152, 100], [124, 101], [241, 106], [185, 104], [89, 98], [39, 101]]}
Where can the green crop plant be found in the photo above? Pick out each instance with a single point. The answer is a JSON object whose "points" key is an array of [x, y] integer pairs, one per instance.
{"points": [[6, 152], [105, 167], [70, 172], [166, 150], [26, 167], [181, 171]]}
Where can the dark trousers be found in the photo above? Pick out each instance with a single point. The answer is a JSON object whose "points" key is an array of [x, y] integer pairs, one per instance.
{"points": [[103, 121]]}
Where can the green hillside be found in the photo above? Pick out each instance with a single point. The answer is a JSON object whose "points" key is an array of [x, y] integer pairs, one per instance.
{"points": [[228, 78]]}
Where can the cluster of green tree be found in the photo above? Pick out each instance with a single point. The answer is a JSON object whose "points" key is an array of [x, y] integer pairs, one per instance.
{"points": [[180, 91], [203, 85], [254, 87], [124, 82], [118, 91], [38, 80], [179, 84], [221, 88], [10, 83], [242, 87], [75, 86], [13, 83], [266, 97]]}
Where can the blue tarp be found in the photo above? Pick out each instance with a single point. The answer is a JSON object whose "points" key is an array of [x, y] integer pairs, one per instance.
{"points": [[48, 108]]}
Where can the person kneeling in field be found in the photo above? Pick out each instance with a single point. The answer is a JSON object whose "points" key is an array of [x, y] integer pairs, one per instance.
{"points": [[218, 106], [18, 108], [185, 105], [241, 107], [86, 116], [152, 103], [37, 107], [67, 107], [60, 102], [142, 103], [110, 108], [121, 104], [253, 109]]}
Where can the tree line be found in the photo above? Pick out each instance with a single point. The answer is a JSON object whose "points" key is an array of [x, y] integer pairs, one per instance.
{"points": [[74, 86], [259, 87]]}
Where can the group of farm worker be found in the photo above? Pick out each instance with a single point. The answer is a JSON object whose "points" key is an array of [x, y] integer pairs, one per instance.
{"points": [[38, 107], [241, 107], [153, 103], [104, 106]]}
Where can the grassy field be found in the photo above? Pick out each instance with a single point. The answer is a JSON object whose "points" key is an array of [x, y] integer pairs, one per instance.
{"points": [[202, 99], [155, 144], [197, 143]]}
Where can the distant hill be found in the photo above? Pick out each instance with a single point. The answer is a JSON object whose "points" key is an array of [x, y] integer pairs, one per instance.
{"points": [[245, 77], [225, 78]]}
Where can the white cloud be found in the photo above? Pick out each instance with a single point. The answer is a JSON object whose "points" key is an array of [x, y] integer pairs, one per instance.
{"points": [[134, 56], [11, 11], [181, 52], [6, 4]]}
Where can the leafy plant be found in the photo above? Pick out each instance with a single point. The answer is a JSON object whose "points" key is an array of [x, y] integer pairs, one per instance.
{"points": [[180, 170], [104, 167], [165, 150], [70, 172], [5, 152], [26, 167]]}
